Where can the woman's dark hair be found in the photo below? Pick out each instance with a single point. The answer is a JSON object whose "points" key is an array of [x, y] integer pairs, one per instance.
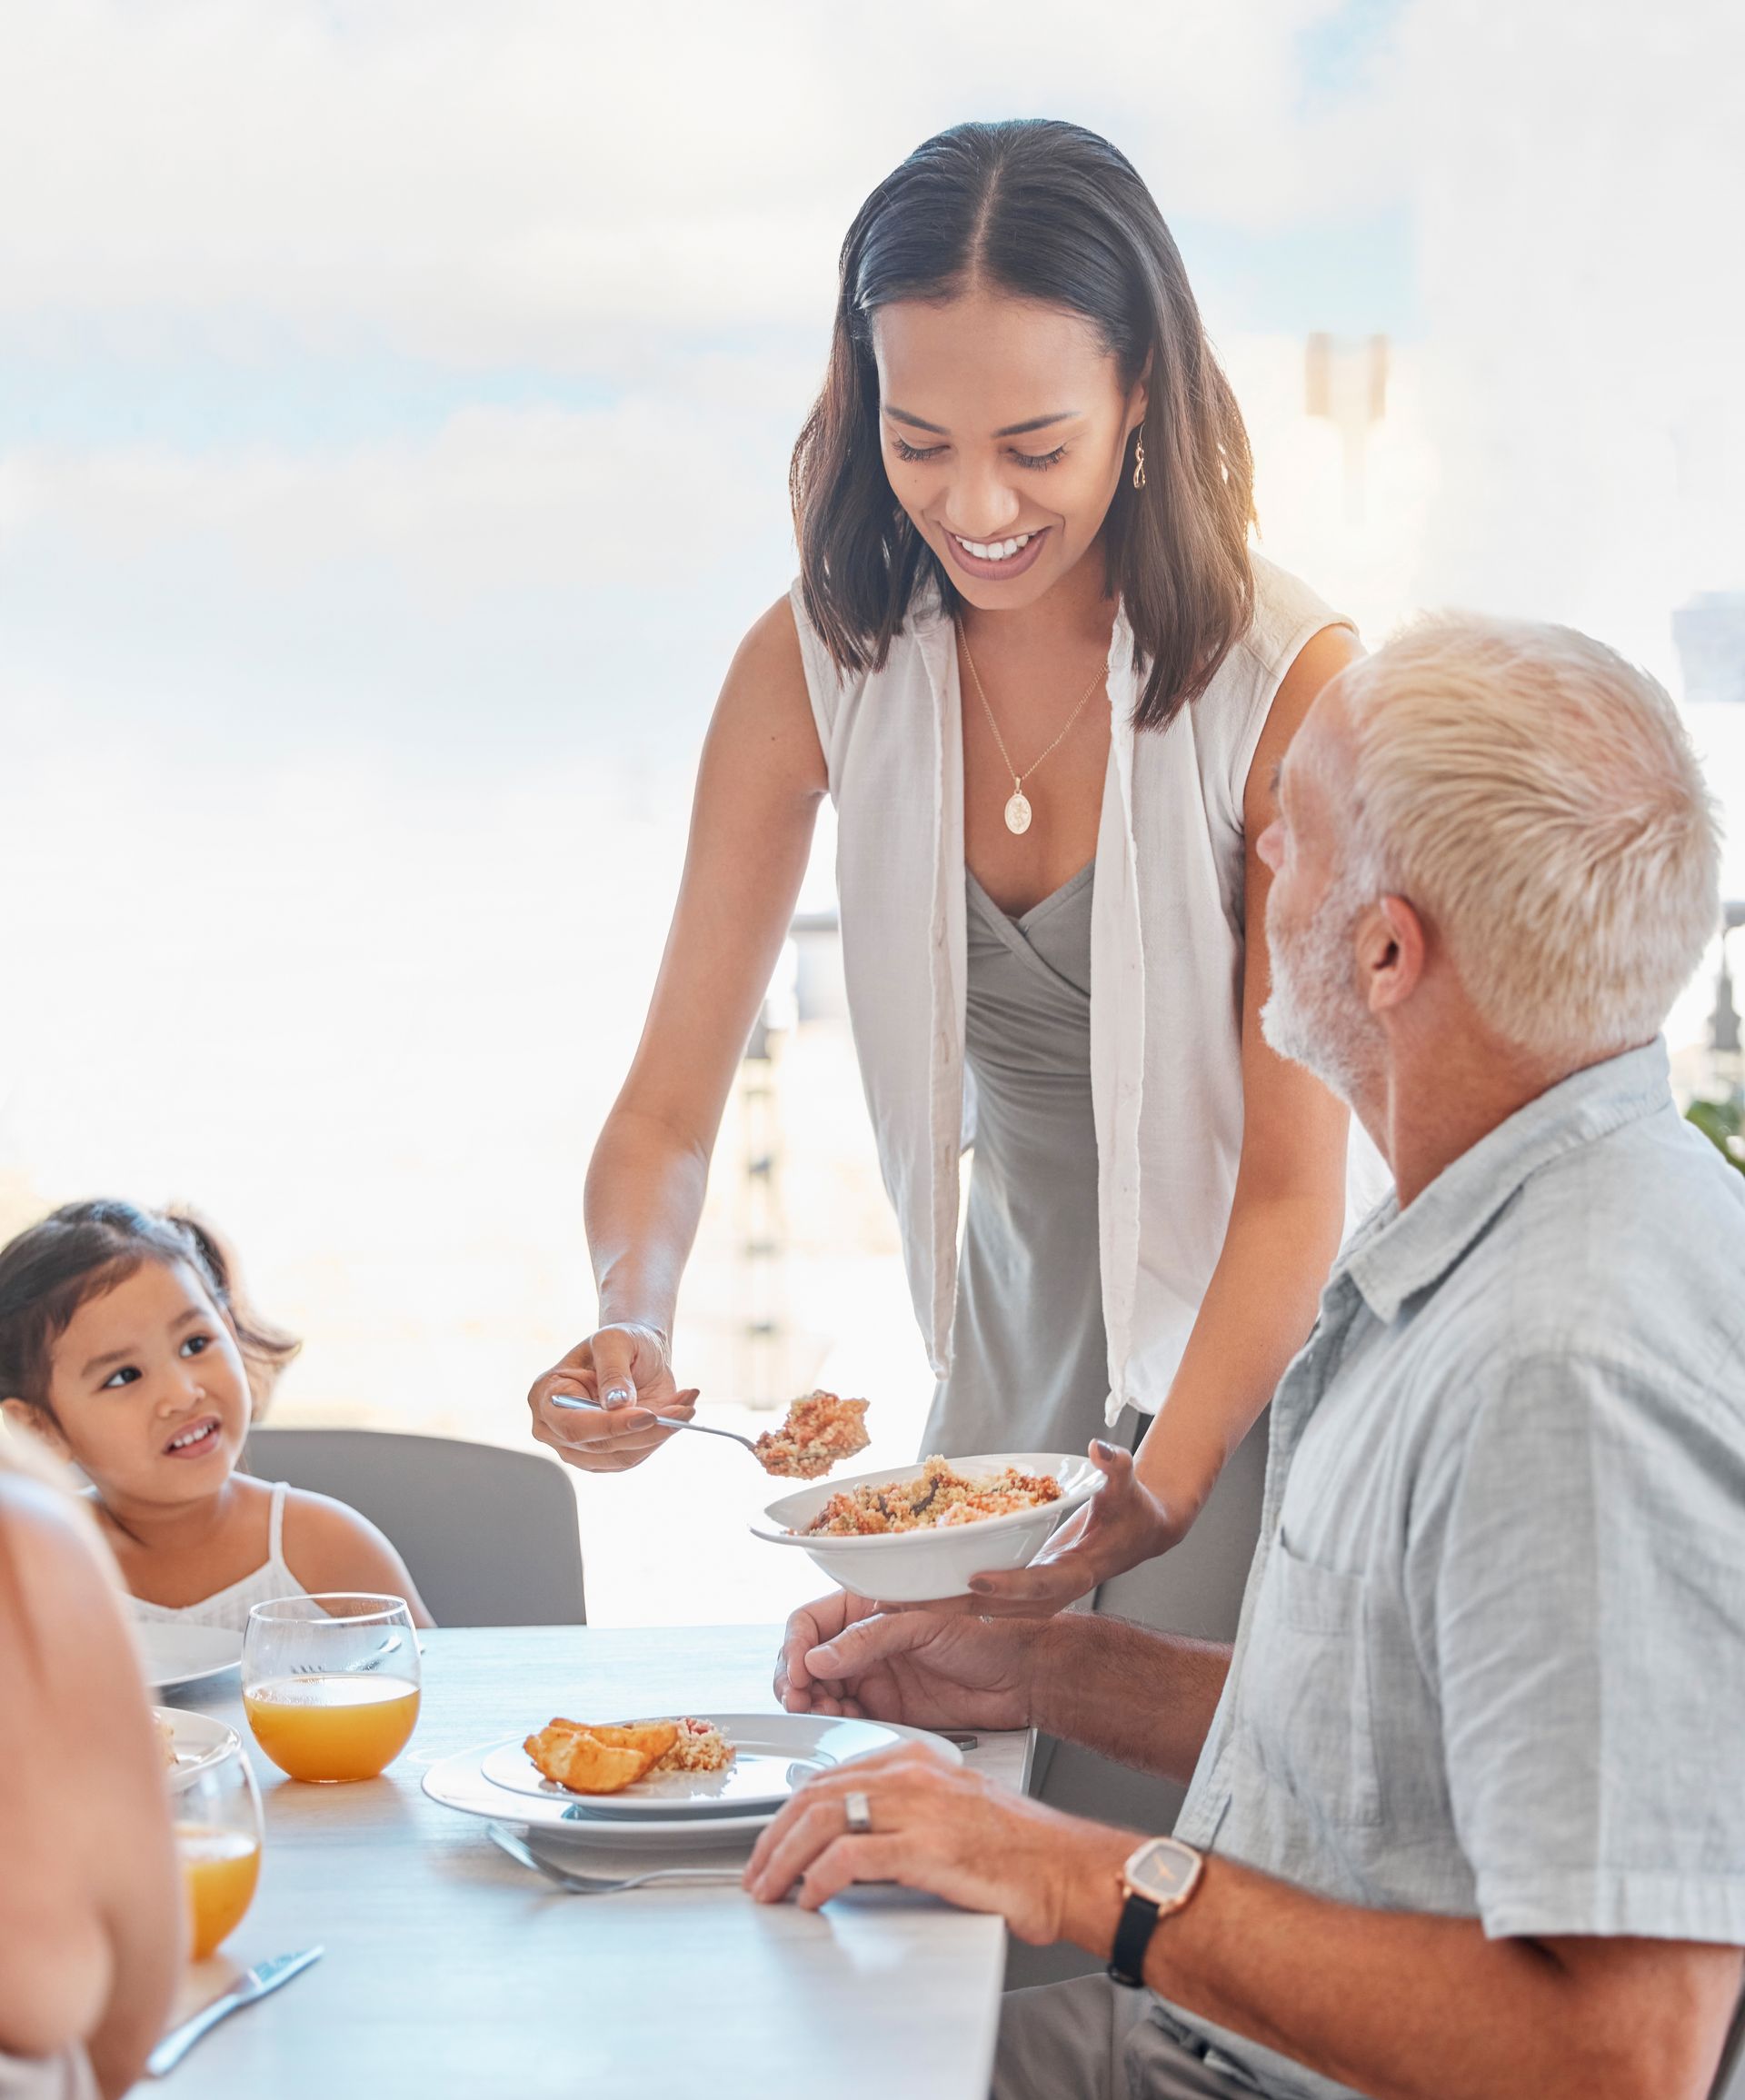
{"points": [[1049, 212], [79, 1252]]}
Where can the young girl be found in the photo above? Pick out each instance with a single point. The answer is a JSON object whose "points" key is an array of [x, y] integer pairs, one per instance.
{"points": [[125, 1346]]}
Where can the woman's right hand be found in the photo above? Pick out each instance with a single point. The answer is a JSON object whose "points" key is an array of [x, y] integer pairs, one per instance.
{"points": [[625, 1367]]}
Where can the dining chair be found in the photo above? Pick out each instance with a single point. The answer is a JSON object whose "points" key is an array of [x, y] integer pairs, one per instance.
{"points": [[489, 1535]]}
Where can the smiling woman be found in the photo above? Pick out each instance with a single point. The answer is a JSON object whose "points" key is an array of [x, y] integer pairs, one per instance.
{"points": [[1005, 249], [1032, 660]]}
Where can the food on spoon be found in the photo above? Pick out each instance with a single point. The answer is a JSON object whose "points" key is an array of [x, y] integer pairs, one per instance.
{"points": [[820, 1430], [938, 1496], [606, 1757]]}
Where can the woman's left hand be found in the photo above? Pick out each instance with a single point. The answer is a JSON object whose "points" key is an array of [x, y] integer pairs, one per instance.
{"points": [[1121, 1524]]}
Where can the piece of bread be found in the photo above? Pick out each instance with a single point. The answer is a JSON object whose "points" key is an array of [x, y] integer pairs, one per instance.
{"points": [[583, 1772], [576, 1758], [656, 1737]]}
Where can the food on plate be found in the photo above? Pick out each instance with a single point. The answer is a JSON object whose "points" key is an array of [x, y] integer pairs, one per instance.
{"points": [[604, 1758], [938, 1496], [165, 1729], [820, 1430], [700, 1748], [575, 1758], [653, 1738]]}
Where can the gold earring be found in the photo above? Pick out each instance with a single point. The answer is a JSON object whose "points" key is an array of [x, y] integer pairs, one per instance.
{"points": [[1139, 466]]}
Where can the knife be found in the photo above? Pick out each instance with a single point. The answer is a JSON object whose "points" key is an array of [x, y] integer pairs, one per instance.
{"points": [[254, 1987]]}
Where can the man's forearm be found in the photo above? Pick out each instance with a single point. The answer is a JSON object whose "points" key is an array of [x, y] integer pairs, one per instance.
{"points": [[1409, 2006], [1143, 1699]]}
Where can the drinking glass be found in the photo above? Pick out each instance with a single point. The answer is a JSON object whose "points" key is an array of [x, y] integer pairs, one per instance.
{"points": [[330, 1684], [216, 1809]]}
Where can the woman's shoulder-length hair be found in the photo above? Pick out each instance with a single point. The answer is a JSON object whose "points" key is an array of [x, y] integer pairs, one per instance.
{"points": [[1048, 212]]}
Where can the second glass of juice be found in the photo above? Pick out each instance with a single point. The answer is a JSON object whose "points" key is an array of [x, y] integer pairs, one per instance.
{"points": [[330, 1684], [217, 1837]]}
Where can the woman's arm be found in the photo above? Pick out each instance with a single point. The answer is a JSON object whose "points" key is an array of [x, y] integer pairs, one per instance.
{"points": [[761, 779], [1287, 1216], [1285, 1223]]}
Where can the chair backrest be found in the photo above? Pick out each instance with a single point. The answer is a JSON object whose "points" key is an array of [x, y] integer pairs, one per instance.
{"points": [[489, 1535]]}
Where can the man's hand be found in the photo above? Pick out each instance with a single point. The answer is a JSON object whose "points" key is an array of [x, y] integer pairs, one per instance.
{"points": [[951, 1833], [843, 1655], [1121, 1524]]}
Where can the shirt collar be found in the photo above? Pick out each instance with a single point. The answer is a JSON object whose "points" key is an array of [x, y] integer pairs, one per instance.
{"points": [[1403, 1251]]}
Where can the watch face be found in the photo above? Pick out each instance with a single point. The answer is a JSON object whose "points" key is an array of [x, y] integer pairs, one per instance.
{"points": [[1162, 1870]]}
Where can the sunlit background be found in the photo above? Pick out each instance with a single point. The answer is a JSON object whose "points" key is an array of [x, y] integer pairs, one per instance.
{"points": [[394, 410]]}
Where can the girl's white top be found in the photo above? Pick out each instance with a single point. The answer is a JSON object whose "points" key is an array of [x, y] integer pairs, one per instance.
{"points": [[230, 1607], [1167, 946]]}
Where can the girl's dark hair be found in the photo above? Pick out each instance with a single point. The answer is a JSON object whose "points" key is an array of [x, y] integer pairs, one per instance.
{"points": [[1049, 212], [77, 1252]]}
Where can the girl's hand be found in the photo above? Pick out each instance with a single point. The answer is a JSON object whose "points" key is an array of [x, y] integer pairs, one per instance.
{"points": [[1121, 1524], [625, 1367]]}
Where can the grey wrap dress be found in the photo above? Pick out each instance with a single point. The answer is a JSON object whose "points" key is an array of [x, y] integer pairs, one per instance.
{"points": [[1029, 1361], [1029, 1358]]}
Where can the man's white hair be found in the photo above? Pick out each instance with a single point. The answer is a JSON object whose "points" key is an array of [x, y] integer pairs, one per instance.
{"points": [[1536, 798]]}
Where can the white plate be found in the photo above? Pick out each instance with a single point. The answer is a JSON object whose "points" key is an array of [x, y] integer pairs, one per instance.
{"points": [[938, 1560], [184, 1655], [774, 1757], [197, 1739], [813, 1740]]}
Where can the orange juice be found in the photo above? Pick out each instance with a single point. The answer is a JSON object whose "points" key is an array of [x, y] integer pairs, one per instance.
{"points": [[326, 1729], [219, 1870]]}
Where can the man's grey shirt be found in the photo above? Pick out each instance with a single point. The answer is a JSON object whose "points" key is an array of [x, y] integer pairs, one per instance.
{"points": [[1491, 1659]]}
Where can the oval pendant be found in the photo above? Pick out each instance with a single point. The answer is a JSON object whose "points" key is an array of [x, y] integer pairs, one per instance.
{"points": [[1018, 812]]}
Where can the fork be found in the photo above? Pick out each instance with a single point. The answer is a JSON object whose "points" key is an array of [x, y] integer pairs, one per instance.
{"points": [[373, 1661], [600, 1884], [666, 1421]]}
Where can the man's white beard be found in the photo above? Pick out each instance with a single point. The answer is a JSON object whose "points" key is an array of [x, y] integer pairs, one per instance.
{"points": [[1313, 1016]]}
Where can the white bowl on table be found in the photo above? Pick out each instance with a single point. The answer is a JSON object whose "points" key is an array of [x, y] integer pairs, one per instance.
{"points": [[936, 1560]]}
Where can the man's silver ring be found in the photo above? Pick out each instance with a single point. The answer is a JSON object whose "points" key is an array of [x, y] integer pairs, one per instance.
{"points": [[859, 1810]]}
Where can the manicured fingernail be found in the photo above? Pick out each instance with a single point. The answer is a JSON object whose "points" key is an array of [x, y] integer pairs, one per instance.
{"points": [[980, 1584], [617, 1396], [1105, 1450]]}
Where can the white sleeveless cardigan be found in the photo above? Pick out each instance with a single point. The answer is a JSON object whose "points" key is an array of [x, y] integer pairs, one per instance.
{"points": [[1167, 945]]}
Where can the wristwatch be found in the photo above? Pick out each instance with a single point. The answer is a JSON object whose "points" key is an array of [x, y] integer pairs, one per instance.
{"points": [[1157, 1879]]}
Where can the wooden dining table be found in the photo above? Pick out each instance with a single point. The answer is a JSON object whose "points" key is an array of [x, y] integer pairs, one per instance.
{"points": [[450, 1971]]}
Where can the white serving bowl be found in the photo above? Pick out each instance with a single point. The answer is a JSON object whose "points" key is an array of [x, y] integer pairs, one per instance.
{"points": [[937, 1561]]}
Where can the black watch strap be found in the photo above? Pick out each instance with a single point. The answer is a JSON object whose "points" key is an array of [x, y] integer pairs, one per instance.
{"points": [[1133, 1937]]}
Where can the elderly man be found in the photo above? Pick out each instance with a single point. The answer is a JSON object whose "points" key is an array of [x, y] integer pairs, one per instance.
{"points": [[1468, 1805]]}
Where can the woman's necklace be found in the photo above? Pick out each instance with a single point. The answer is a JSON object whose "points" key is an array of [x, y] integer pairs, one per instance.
{"points": [[1018, 811]]}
